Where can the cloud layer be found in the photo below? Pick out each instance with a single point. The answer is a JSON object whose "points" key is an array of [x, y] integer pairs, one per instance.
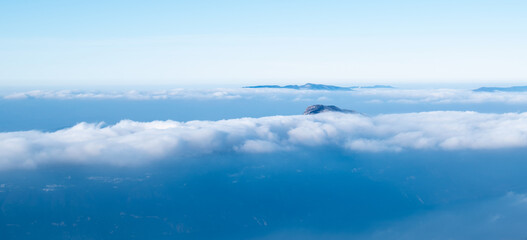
{"points": [[442, 96], [129, 142], [133, 94], [395, 95]]}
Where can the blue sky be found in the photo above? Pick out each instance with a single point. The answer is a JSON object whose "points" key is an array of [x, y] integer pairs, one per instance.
{"points": [[251, 42]]}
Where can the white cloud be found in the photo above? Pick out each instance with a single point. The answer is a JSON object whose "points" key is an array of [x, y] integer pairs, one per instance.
{"points": [[440, 96], [258, 146], [129, 142], [369, 95], [178, 93], [133, 95]]}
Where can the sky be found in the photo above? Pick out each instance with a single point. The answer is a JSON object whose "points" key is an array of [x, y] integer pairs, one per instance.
{"points": [[185, 43]]}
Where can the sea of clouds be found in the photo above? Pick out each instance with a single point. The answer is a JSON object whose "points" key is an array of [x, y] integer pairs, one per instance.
{"points": [[132, 143], [381, 95]]}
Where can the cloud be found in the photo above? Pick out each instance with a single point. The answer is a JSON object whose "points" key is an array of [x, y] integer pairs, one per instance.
{"points": [[178, 93], [130, 143], [370, 95], [132, 95], [440, 96]]}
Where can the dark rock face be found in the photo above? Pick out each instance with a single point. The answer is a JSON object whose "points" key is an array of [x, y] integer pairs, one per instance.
{"points": [[315, 109]]}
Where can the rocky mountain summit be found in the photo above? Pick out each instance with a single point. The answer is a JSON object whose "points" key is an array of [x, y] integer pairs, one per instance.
{"points": [[316, 109]]}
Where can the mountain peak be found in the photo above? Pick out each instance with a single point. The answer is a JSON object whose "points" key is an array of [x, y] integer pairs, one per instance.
{"points": [[316, 109]]}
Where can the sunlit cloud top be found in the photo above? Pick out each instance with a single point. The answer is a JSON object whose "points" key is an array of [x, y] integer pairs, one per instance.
{"points": [[132, 143]]}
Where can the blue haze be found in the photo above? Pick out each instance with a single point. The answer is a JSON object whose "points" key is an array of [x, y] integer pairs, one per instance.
{"points": [[312, 193], [321, 193], [54, 114]]}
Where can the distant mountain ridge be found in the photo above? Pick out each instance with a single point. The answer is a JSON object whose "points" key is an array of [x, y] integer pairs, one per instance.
{"points": [[502, 89], [313, 86]]}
